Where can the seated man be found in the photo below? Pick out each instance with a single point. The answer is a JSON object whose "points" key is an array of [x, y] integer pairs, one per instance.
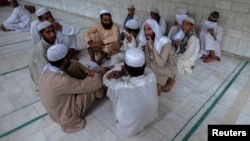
{"points": [[130, 41], [131, 15], [155, 14], [66, 99], [38, 57], [177, 23], [160, 55], [188, 48], [19, 20], [210, 39], [65, 33], [103, 37], [134, 97]]}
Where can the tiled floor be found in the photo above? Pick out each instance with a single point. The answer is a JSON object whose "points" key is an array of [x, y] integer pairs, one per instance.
{"points": [[216, 93]]}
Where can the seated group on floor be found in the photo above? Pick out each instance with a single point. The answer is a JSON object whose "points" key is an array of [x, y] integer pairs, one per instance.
{"points": [[145, 61]]}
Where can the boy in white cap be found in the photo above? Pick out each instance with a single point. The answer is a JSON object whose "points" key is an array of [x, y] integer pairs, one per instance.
{"points": [[188, 48], [160, 55], [130, 41], [133, 96], [66, 99], [155, 14], [19, 20], [211, 37], [66, 34], [131, 15], [102, 38]]}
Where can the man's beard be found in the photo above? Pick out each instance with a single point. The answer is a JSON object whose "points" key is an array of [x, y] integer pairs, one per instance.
{"points": [[152, 37], [107, 26], [48, 41]]}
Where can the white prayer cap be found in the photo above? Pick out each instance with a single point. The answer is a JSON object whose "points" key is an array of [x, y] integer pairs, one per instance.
{"points": [[41, 11], [183, 11], [155, 10], [131, 6], [43, 25], [57, 52], [104, 11], [134, 57], [189, 19], [132, 24]]}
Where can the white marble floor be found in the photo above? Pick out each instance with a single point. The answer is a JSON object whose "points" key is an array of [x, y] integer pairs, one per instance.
{"points": [[216, 93]]}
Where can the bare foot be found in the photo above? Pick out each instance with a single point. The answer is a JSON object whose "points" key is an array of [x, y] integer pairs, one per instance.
{"points": [[169, 85], [204, 56], [209, 60]]}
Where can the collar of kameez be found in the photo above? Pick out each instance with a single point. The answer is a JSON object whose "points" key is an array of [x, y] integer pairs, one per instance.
{"points": [[51, 68]]}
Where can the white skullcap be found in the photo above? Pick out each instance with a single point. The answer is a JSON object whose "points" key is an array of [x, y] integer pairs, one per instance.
{"points": [[183, 11], [57, 52], [104, 11], [132, 24], [131, 6], [43, 25], [189, 19], [155, 10], [41, 11], [134, 57]]}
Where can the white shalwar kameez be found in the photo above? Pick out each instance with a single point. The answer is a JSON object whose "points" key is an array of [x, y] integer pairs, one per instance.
{"points": [[67, 36], [208, 42], [19, 20], [134, 100]]}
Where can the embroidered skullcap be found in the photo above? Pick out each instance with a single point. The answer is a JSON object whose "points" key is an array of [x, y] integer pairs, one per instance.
{"points": [[183, 11], [41, 11], [57, 52], [132, 24], [131, 6], [43, 25], [155, 10], [104, 11], [189, 19], [134, 57], [214, 15]]}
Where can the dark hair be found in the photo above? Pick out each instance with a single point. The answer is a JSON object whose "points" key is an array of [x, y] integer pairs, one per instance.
{"points": [[135, 71], [134, 30], [106, 14], [59, 62]]}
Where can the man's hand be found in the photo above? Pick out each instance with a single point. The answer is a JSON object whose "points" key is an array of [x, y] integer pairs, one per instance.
{"points": [[150, 42], [57, 26], [114, 75], [128, 37], [95, 44], [177, 43]]}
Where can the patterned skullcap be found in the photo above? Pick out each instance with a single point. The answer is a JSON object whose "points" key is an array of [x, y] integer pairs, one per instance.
{"points": [[41, 11], [155, 10], [43, 25], [132, 24], [57, 52], [134, 57], [214, 15], [104, 11]]}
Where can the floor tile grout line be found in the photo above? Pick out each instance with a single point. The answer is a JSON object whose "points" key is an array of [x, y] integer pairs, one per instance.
{"points": [[205, 102], [30, 39], [23, 125], [211, 107], [19, 108]]}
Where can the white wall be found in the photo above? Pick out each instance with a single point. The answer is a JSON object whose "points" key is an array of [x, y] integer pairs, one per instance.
{"points": [[234, 15]]}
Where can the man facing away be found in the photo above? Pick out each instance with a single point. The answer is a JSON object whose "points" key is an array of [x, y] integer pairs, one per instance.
{"points": [[19, 20], [210, 39], [102, 38], [65, 98], [133, 96]]}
